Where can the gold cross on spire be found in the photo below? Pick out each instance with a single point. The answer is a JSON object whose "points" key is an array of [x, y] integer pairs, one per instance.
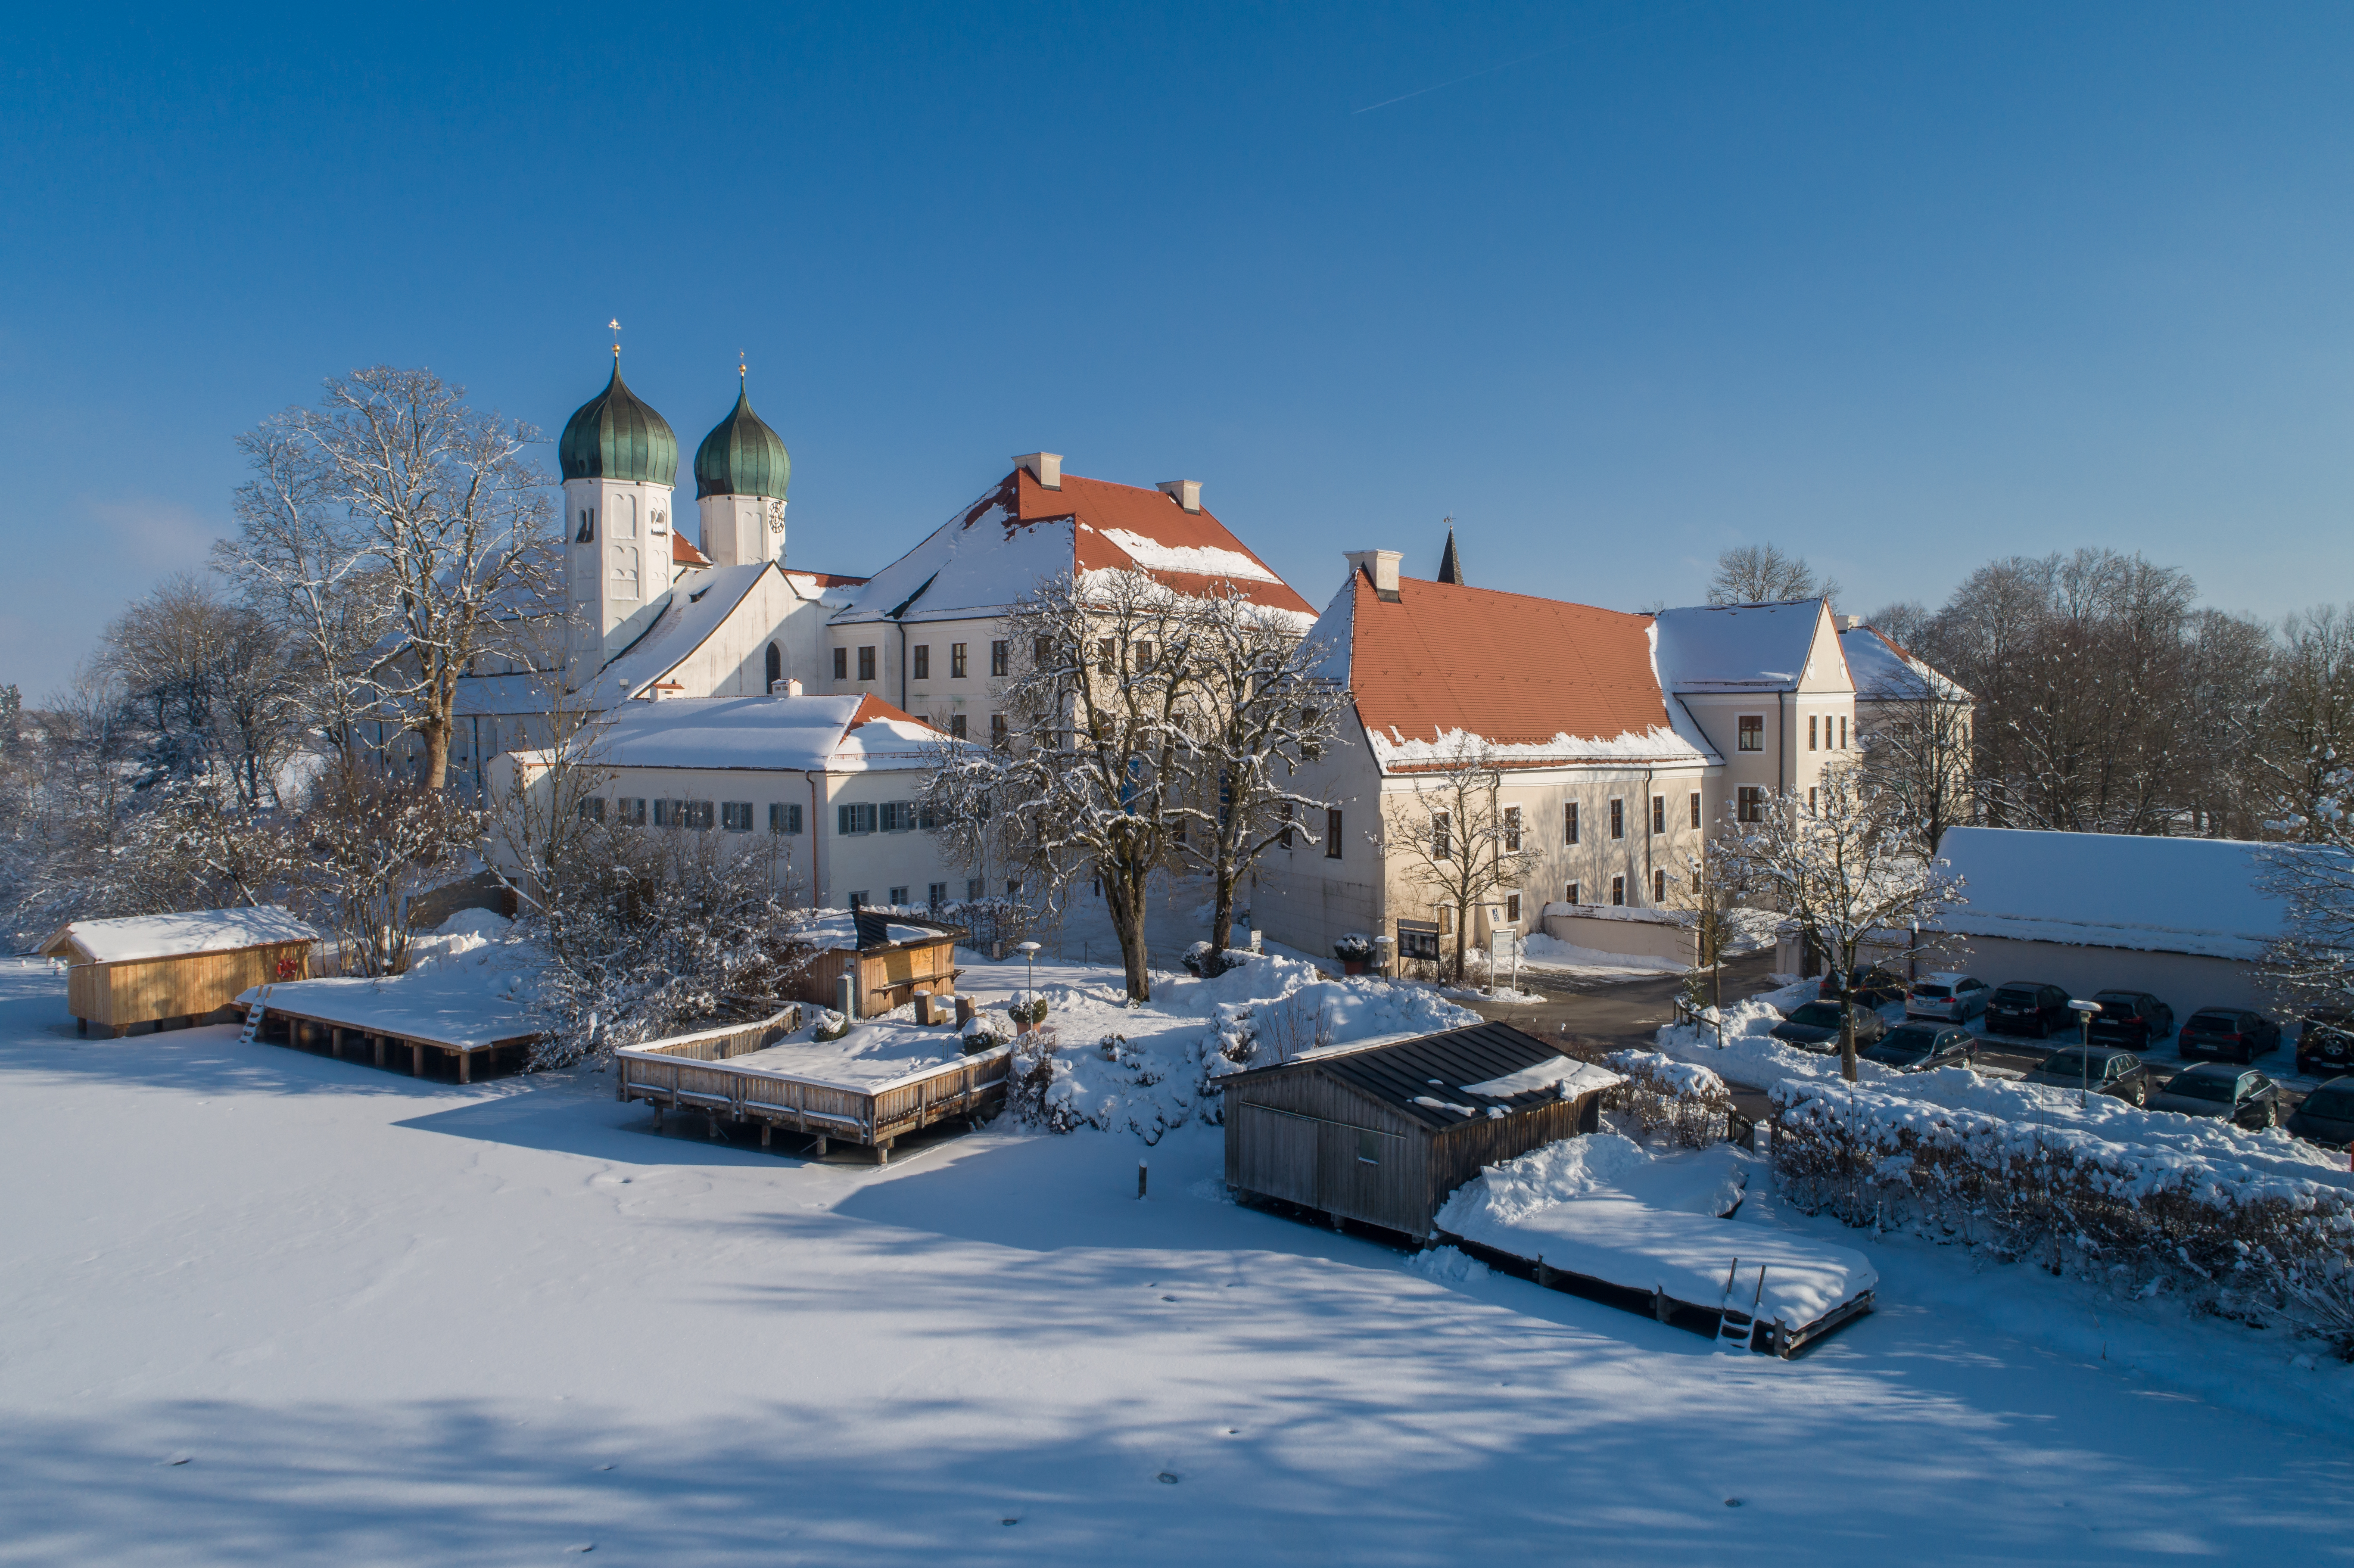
{"points": [[615, 326]]}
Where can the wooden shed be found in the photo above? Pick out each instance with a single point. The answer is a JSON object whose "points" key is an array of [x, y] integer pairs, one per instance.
{"points": [[152, 969], [893, 957], [1383, 1134]]}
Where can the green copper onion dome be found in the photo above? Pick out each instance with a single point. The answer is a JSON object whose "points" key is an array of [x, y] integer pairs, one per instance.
{"points": [[615, 436], [742, 456]]}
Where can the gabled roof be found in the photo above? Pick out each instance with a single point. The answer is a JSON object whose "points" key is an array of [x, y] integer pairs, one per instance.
{"points": [[1542, 682], [2115, 890], [176, 936], [844, 734], [682, 552], [688, 617], [1886, 672], [1021, 534], [1429, 1076], [1738, 647]]}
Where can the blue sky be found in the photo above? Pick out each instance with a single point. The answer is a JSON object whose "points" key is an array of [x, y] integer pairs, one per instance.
{"points": [[1899, 288]]}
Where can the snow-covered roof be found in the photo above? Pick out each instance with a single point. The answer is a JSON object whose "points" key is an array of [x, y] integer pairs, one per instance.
{"points": [[1021, 534], [1737, 646], [845, 734], [690, 616], [176, 936], [1886, 672], [2200, 896]]}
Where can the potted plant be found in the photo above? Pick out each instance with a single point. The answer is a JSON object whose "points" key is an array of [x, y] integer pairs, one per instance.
{"points": [[1355, 952], [1027, 1015]]}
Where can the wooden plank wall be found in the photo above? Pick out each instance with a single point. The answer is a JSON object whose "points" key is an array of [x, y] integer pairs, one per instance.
{"points": [[690, 1072], [1458, 1154], [880, 975], [189, 985], [1263, 1137]]}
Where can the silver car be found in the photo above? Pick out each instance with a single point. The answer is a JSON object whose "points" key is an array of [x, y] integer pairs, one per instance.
{"points": [[1955, 999]]}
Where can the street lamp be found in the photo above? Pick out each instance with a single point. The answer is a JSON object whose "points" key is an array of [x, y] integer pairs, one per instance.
{"points": [[2083, 1012], [1029, 951]]}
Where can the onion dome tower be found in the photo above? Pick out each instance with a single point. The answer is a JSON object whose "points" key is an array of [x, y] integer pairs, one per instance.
{"points": [[741, 474], [619, 459]]}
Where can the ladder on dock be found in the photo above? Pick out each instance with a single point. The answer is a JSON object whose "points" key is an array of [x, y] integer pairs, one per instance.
{"points": [[254, 1016], [1735, 1327]]}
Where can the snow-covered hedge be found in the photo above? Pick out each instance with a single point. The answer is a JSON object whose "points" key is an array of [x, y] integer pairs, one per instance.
{"points": [[2254, 1239]]}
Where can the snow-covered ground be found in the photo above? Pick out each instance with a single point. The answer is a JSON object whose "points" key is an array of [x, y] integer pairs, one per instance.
{"points": [[258, 1306]]}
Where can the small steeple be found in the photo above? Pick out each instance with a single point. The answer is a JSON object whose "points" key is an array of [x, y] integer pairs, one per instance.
{"points": [[1450, 564]]}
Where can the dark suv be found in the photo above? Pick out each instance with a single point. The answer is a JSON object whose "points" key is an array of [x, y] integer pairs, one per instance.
{"points": [[2100, 1069], [2133, 1019], [1872, 986], [2228, 1035], [2325, 1046], [2028, 1007]]}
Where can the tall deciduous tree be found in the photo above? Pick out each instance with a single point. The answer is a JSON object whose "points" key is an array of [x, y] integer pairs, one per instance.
{"points": [[1453, 836], [1765, 574]]}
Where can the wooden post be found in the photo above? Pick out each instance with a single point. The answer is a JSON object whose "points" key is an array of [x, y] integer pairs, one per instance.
{"points": [[336, 1040], [1659, 1304], [766, 1128], [378, 1039], [416, 1059], [81, 1025], [964, 1011], [465, 1067], [883, 1152], [818, 1151]]}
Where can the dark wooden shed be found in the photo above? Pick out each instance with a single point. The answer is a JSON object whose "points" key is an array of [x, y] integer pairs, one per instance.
{"points": [[1383, 1134]]}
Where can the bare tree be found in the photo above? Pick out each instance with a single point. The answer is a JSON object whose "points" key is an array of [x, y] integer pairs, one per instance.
{"points": [[1453, 836], [1764, 573], [1704, 898], [1258, 712], [398, 529], [209, 681], [1917, 753], [1846, 869]]}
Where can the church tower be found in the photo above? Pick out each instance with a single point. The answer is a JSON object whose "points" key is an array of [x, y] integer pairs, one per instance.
{"points": [[741, 472], [619, 459]]}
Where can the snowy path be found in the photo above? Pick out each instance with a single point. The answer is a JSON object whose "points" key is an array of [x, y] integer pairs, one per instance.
{"points": [[390, 1321]]}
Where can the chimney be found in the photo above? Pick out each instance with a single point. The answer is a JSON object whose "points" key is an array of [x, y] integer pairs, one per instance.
{"points": [[1382, 566], [1047, 468], [1185, 493], [1850, 623], [784, 688]]}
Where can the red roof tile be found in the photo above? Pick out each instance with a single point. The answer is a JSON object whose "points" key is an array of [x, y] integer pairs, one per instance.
{"points": [[871, 708], [825, 579], [682, 554]]}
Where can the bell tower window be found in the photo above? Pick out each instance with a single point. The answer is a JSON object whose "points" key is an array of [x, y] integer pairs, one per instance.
{"points": [[776, 665]]}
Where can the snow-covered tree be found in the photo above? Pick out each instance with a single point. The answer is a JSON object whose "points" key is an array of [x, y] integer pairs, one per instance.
{"points": [[1702, 896], [1454, 837], [1917, 754], [207, 681], [1257, 710], [1847, 868], [1764, 573]]}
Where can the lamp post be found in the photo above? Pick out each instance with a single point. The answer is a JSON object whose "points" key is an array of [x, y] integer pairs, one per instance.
{"points": [[2083, 1012], [1029, 951]]}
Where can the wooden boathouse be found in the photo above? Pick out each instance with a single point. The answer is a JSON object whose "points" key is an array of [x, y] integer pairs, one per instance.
{"points": [[1381, 1135], [182, 968], [890, 957]]}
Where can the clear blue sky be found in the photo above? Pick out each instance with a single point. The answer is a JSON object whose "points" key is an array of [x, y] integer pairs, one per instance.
{"points": [[1899, 288]]}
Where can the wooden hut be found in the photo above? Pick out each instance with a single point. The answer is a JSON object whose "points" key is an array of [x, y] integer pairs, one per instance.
{"points": [[892, 955], [1383, 1134], [152, 969]]}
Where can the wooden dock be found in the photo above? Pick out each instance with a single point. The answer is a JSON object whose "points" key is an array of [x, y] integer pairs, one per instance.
{"points": [[308, 1027], [690, 1073]]}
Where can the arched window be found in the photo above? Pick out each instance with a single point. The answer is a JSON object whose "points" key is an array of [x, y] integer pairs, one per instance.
{"points": [[776, 665]]}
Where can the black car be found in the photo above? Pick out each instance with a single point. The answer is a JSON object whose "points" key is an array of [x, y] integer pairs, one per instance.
{"points": [[2101, 1069], [2325, 1043], [2133, 1019], [2327, 1116], [2215, 1089], [2228, 1035], [1815, 1026], [1917, 1048], [1872, 986], [2027, 1007]]}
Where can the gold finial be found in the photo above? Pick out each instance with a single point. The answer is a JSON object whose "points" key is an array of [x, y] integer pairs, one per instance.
{"points": [[740, 365], [615, 325]]}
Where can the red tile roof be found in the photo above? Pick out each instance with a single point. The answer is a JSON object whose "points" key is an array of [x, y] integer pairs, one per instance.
{"points": [[825, 579], [682, 554], [1513, 669], [871, 708]]}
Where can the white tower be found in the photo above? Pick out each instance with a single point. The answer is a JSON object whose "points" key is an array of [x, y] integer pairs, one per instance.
{"points": [[741, 472], [619, 459]]}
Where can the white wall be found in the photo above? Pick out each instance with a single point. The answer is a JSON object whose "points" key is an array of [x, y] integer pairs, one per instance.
{"points": [[2181, 981], [1635, 938]]}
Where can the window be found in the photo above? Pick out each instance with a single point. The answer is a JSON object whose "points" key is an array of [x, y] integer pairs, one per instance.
{"points": [[1658, 887], [1617, 819], [592, 810], [1369, 1146], [1332, 832], [1569, 824], [1512, 908], [1012, 887], [735, 816], [784, 818], [692, 815], [1287, 824], [841, 664], [955, 661], [1658, 813], [1442, 843], [1179, 831], [1810, 732], [1511, 830], [999, 661], [1695, 808], [956, 726], [851, 819], [1569, 893], [1810, 800], [972, 886], [588, 534], [924, 818], [667, 813], [1446, 922], [898, 898], [1144, 656], [631, 812], [1041, 653], [898, 817], [936, 894], [998, 740], [1753, 732], [698, 814], [861, 898], [1617, 890], [1752, 804], [1842, 744], [776, 666], [1104, 659], [923, 661], [866, 663]]}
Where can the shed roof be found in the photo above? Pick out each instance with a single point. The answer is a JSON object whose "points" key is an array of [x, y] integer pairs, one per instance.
{"points": [[848, 733], [1439, 1079], [143, 937]]}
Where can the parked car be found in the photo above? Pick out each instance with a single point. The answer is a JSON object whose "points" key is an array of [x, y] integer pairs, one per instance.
{"points": [[2100, 1068], [2133, 1019], [2027, 1007], [2325, 1043], [1874, 986], [2229, 1034], [1957, 999], [2216, 1089], [1815, 1026], [1917, 1048], [2327, 1117]]}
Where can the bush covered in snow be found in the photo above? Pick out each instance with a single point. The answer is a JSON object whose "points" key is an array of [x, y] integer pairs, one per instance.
{"points": [[1689, 1103]]}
